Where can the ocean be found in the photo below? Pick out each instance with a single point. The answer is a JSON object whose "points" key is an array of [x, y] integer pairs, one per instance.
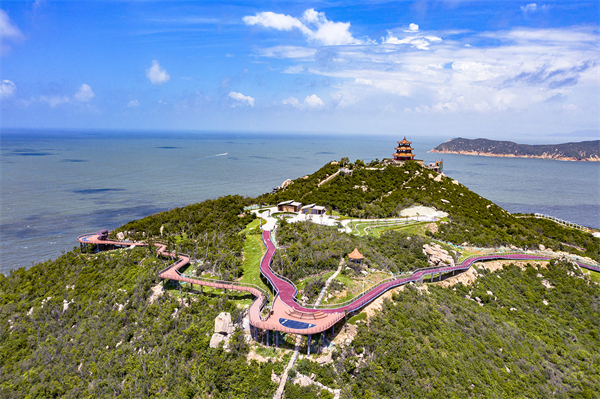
{"points": [[55, 185]]}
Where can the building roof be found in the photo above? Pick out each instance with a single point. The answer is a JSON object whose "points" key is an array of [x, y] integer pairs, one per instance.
{"points": [[296, 203], [400, 148], [404, 141], [355, 254], [308, 206], [319, 208], [285, 202]]}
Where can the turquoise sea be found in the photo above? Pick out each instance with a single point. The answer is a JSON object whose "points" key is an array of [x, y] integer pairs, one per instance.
{"points": [[55, 185]]}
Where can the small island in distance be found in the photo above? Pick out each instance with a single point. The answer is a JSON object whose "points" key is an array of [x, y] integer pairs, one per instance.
{"points": [[582, 151]]}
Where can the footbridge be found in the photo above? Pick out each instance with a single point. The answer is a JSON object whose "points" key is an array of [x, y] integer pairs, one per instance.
{"points": [[286, 314]]}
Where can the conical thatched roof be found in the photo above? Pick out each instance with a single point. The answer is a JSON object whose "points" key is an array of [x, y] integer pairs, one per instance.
{"points": [[355, 255]]}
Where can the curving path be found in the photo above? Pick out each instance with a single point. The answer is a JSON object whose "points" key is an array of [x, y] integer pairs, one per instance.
{"points": [[287, 315]]}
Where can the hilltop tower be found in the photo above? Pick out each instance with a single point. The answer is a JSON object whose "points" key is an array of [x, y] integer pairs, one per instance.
{"points": [[404, 151]]}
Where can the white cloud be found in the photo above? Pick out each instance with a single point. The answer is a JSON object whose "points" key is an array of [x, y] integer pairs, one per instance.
{"points": [[270, 19], [529, 8], [293, 101], [316, 27], [133, 103], [84, 94], [413, 27], [7, 29], [417, 41], [361, 81], [156, 74], [313, 101], [53, 101], [241, 99], [7, 88]]}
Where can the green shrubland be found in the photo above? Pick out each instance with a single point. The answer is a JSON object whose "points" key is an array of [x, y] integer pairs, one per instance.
{"points": [[84, 325], [441, 344]]}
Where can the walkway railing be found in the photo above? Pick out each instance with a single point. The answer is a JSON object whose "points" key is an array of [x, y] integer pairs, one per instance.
{"points": [[562, 222]]}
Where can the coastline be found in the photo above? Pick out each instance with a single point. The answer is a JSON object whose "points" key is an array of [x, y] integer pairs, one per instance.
{"points": [[543, 156]]}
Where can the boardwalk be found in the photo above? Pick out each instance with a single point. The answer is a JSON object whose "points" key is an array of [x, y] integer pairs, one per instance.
{"points": [[287, 315]]}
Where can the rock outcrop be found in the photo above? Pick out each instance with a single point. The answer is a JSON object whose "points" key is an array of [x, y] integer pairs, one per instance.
{"points": [[224, 328], [437, 256]]}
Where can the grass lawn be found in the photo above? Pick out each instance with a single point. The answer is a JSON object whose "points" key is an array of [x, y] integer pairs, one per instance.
{"points": [[358, 317], [354, 286], [375, 228], [253, 253], [595, 276]]}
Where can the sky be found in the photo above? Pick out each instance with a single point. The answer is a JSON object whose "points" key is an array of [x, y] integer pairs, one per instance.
{"points": [[507, 70]]}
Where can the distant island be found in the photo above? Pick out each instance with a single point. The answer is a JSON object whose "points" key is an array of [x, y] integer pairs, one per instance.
{"points": [[582, 151]]}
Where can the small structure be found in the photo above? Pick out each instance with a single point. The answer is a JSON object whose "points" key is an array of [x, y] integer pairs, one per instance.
{"points": [[346, 171], [313, 209], [289, 206], [102, 234], [355, 256], [438, 166], [404, 151]]}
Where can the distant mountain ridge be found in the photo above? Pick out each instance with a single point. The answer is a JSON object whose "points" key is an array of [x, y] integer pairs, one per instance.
{"points": [[581, 151]]}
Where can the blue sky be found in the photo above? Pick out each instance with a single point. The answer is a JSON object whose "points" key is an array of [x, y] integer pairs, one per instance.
{"points": [[518, 70]]}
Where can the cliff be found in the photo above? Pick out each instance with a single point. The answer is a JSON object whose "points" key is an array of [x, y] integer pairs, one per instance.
{"points": [[582, 151]]}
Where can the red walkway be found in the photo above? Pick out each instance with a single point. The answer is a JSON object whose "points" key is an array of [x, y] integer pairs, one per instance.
{"points": [[286, 314]]}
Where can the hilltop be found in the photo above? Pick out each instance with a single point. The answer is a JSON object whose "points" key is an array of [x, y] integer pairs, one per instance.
{"points": [[581, 151], [99, 325]]}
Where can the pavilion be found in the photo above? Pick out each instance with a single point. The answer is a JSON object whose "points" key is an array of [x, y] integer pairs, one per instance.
{"points": [[355, 256], [404, 151]]}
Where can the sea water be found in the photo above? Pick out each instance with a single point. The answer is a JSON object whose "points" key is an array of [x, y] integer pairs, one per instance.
{"points": [[55, 185]]}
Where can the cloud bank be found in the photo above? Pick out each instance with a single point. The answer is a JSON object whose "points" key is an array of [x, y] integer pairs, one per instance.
{"points": [[313, 25]]}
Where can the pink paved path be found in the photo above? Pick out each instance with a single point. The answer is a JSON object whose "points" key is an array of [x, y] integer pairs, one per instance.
{"points": [[284, 304]]}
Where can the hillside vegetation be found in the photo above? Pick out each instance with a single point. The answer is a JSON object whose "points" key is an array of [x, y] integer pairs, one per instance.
{"points": [[581, 151], [443, 344], [94, 325], [473, 220]]}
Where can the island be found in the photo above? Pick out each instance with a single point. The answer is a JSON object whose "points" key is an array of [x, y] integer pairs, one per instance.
{"points": [[581, 151], [364, 279]]}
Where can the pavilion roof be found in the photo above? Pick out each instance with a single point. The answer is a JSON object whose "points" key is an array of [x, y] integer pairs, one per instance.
{"points": [[404, 148], [355, 254], [404, 141]]}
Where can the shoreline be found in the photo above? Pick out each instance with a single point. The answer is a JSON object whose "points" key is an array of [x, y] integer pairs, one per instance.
{"points": [[489, 154]]}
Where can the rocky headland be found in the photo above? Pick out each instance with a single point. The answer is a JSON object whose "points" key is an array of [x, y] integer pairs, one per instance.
{"points": [[581, 151]]}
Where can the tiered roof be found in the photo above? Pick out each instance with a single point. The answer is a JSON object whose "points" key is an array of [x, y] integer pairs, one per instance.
{"points": [[355, 255], [404, 150]]}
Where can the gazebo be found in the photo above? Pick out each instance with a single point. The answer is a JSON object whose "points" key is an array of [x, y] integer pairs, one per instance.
{"points": [[356, 256]]}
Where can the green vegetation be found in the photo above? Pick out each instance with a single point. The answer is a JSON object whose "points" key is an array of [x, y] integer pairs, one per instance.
{"points": [[82, 326], [473, 219], [253, 253], [211, 231], [585, 150], [97, 326], [325, 374], [442, 344]]}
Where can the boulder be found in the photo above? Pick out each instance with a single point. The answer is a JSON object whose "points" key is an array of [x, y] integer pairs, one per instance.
{"points": [[120, 236], [223, 323], [246, 324], [286, 183], [216, 339], [437, 256]]}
